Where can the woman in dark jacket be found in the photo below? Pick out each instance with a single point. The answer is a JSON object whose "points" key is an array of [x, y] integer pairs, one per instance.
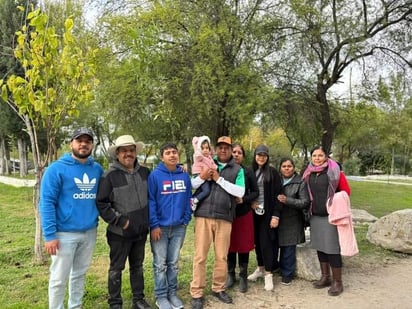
{"points": [[291, 224], [266, 217], [242, 236]]}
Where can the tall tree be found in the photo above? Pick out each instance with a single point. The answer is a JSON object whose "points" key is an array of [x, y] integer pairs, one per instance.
{"points": [[395, 98], [58, 77], [191, 67], [11, 19], [325, 38]]}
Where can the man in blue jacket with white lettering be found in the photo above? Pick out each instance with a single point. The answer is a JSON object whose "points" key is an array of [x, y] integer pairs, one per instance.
{"points": [[169, 214]]}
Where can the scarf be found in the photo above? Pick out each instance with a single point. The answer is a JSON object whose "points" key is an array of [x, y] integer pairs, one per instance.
{"points": [[333, 172]]}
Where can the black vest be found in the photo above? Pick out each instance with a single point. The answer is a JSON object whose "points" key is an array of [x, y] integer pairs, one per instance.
{"points": [[219, 204]]}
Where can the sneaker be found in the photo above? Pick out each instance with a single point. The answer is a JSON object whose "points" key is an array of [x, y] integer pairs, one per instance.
{"points": [[258, 273], [141, 304], [163, 303], [175, 301], [286, 281], [269, 282]]}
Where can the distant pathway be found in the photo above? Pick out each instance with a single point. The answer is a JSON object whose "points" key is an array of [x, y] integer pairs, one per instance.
{"points": [[17, 182], [381, 179], [377, 179]]}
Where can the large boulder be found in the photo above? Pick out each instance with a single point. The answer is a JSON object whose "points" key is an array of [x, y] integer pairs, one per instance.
{"points": [[393, 232]]}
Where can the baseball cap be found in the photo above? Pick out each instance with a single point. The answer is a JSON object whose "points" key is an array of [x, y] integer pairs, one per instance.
{"points": [[224, 140], [82, 131], [262, 149]]}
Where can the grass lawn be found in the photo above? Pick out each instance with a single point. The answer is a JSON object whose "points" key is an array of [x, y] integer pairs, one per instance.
{"points": [[24, 285]]}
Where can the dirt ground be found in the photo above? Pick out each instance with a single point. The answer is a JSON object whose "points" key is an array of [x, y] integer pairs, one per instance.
{"points": [[367, 284]]}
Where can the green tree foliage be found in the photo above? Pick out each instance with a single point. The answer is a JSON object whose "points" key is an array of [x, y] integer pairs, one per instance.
{"points": [[58, 77], [186, 68], [395, 98], [326, 37], [294, 113], [360, 134], [11, 20]]}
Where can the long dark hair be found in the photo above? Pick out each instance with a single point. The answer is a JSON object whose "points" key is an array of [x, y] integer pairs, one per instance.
{"points": [[267, 175]]}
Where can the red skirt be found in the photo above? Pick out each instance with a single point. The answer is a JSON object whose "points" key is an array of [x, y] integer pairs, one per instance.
{"points": [[242, 236]]}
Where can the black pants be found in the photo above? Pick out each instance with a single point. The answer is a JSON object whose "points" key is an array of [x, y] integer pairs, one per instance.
{"points": [[122, 249], [243, 258], [334, 260], [266, 244]]}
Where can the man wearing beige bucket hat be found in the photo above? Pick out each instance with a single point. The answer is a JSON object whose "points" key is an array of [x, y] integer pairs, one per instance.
{"points": [[121, 141], [123, 203]]}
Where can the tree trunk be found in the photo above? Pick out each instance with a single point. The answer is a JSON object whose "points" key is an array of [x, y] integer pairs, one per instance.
{"points": [[3, 160], [21, 147], [38, 245], [38, 170], [326, 121]]}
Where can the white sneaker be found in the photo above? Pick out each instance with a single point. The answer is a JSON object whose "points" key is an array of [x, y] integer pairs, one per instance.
{"points": [[269, 282], [258, 273]]}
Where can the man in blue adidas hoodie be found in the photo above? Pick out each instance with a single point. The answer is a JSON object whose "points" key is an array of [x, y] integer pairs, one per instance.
{"points": [[169, 214], [69, 218]]}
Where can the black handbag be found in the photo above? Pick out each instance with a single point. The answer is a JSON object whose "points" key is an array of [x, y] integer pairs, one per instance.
{"points": [[306, 217]]}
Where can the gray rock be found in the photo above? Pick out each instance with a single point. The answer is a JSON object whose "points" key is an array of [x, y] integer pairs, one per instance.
{"points": [[307, 264], [362, 216], [393, 232]]}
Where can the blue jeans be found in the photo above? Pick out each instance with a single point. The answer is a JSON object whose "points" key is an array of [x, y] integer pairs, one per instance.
{"points": [[71, 262], [166, 253], [287, 261]]}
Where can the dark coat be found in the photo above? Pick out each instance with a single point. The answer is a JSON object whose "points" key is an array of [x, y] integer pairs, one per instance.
{"points": [[219, 204], [123, 196], [291, 229], [272, 187]]}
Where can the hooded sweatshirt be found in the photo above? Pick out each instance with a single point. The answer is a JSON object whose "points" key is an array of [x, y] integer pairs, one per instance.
{"points": [[122, 197], [67, 196], [169, 197]]}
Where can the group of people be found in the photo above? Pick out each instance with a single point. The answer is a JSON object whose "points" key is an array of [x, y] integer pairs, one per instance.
{"points": [[237, 209]]}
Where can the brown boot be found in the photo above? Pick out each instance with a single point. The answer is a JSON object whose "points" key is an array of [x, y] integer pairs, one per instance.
{"points": [[337, 286], [324, 280]]}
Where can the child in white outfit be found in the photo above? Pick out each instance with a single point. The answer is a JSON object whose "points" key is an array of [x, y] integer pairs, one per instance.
{"points": [[202, 159]]}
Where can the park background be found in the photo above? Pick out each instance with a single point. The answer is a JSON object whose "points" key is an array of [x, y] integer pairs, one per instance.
{"points": [[290, 74]]}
